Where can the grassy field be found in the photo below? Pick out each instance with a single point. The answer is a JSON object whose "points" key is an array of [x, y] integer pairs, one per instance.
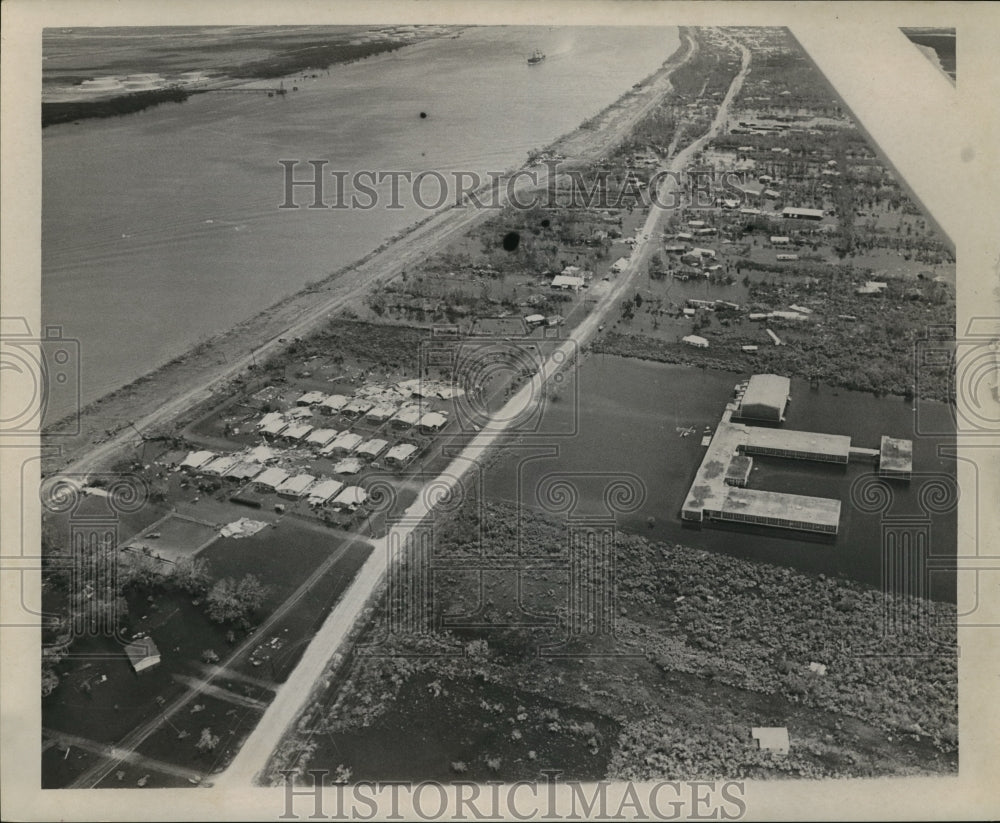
{"points": [[702, 648]]}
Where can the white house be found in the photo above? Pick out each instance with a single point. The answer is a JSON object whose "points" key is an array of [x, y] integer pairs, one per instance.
{"points": [[350, 498], [324, 491], [400, 454], [381, 412], [410, 415], [333, 404], [142, 654], [270, 479], [696, 341], [295, 432], [310, 398], [371, 449], [196, 460], [320, 437], [296, 486], [565, 281], [357, 407], [349, 465], [343, 443], [220, 465], [272, 425], [433, 422]]}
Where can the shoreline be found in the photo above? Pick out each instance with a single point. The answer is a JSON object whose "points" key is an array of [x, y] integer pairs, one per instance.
{"points": [[191, 377]]}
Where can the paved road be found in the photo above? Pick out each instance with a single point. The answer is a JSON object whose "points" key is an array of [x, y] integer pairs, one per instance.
{"points": [[148, 409], [135, 738], [293, 697]]}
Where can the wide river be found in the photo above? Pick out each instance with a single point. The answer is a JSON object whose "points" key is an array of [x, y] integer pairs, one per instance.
{"points": [[162, 229]]}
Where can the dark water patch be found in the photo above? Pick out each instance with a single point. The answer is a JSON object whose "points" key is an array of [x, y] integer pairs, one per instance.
{"points": [[630, 420]]}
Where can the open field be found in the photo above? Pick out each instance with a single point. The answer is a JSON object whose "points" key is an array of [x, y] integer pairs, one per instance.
{"points": [[670, 691], [678, 671], [207, 668]]}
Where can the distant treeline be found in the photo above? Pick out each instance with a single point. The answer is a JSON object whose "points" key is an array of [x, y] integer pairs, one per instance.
{"points": [[67, 112], [316, 57]]}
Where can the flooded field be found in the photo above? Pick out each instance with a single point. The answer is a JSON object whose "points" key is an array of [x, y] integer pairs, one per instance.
{"points": [[630, 423]]}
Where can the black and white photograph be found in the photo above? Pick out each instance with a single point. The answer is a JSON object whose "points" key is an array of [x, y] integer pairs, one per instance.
{"points": [[500, 410]]}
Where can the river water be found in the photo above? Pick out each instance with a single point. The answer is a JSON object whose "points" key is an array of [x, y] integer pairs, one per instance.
{"points": [[161, 229], [618, 419]]}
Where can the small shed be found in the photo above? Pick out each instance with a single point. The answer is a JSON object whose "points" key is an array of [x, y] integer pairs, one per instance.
{"points": [[771, 738], [142, 654]]}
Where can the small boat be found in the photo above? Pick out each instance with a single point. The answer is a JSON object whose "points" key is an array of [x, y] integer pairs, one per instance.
{"points": [[536, 58]]}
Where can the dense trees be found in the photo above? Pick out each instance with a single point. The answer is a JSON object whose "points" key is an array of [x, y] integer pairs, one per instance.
{"points": [[234, 601]]}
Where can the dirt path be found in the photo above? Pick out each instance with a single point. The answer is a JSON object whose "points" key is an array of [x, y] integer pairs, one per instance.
{"points": [[135, 738], [307, 677], [109, 426]]}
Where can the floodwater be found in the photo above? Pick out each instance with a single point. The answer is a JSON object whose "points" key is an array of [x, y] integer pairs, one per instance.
{"points": [[161, 229], [625, 427]]}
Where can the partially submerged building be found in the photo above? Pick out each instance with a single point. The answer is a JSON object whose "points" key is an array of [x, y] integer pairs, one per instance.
{"points": [[895, 459], [766, 398]]}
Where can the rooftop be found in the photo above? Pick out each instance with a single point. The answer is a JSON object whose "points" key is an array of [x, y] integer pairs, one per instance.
{"points": [[895, 454], [800, 507], [800, 441]]}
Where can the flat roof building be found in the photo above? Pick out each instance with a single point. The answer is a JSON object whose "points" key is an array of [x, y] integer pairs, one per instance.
{"points": [[783, 511], [895, 458], [765, 398], [695, 340], [738, 473], [802, 214], [797, 445], [771, 738]]}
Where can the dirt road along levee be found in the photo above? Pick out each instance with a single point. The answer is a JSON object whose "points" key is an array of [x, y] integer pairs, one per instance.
{"points": [[295, 694], [173, 389]]}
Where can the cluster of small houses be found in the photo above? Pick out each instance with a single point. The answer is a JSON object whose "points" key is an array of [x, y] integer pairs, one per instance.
{"points": [[294, 427]]}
